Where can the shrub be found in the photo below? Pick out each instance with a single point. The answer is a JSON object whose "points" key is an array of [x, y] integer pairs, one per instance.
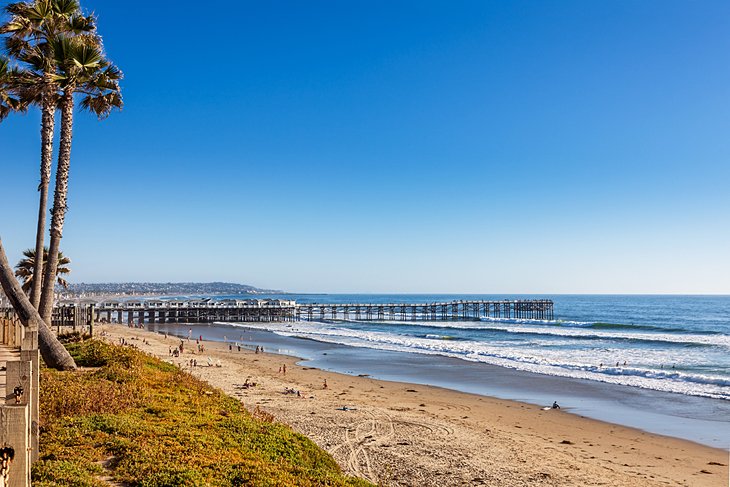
{"points": [[163, 427]]}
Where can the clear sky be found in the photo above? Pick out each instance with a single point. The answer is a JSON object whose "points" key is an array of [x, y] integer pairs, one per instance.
{"points": [[409, 146]]}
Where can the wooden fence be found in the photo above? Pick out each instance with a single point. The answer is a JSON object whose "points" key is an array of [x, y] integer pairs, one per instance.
{"points": [[18, 401]]}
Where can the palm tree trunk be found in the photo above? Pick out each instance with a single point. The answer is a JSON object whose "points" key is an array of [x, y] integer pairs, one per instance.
{"points": [[58, 212], [53, 352], [48, 123]]}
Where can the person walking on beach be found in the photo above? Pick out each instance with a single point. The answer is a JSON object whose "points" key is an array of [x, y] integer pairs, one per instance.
{"points": [[324, 386], [283, 369]]}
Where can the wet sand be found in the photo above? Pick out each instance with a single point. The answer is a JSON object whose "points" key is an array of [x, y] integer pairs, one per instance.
{"points": [[397, 433]]}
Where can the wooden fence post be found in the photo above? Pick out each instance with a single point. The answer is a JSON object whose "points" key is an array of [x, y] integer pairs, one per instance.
{"points": [[14, 430]]}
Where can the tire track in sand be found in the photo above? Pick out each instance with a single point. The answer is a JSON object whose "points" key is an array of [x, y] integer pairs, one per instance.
{"points": [[358, 440]]}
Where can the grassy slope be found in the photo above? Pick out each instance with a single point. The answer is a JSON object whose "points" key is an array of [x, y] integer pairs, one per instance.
{"points": [[143, 422]]}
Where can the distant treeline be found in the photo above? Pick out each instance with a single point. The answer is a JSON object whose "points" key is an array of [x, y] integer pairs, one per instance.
{"points": [[166, 288]]}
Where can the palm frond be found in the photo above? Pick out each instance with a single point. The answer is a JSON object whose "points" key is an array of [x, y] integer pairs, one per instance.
{"points": [[81, 24], [14, 46], [16, 27], [102, 105], [86, 56], [40, 11], [66, 7], [9, 100]]}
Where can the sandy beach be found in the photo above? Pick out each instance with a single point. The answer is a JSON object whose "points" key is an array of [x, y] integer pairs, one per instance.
{"points": [[403, 434]]}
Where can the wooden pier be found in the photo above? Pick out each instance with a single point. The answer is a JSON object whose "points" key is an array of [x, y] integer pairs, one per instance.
{"points": [[540, 309], [80, 315]]}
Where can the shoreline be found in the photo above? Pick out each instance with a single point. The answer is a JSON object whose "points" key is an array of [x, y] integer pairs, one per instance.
{"points": [[694, 418], [399, 433]]}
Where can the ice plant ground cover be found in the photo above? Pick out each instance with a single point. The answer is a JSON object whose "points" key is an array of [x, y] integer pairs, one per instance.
{"points": [[131, 418]]}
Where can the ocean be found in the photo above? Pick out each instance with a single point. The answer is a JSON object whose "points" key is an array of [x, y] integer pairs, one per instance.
{"points": [[666, 343], [675, 346]]}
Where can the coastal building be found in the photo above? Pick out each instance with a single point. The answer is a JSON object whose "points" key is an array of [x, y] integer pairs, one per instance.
{"points": [[110, 304], [199, 303], [155, 303]]}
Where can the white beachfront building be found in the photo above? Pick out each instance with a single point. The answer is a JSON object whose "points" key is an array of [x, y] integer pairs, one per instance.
{"points": [[155, 303], [199, 303], [280, 303], [110, 304], [134, 304]]}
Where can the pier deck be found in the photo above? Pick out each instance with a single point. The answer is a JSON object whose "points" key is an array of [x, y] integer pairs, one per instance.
{"points": [[174, 311]]}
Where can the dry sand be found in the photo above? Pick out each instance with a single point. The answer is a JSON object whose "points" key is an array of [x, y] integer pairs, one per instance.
{"points": [[404, 434]]}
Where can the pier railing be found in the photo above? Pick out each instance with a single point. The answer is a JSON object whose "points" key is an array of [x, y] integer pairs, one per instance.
{"points": [[541, 309], [83, 316]]}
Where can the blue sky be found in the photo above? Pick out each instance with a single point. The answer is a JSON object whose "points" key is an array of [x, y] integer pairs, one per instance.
{"points": [[474, 146]]}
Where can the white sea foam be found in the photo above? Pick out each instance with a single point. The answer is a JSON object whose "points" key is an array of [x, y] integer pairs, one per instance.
{"points": [[578, 332], [535, 356], [713, 340]]}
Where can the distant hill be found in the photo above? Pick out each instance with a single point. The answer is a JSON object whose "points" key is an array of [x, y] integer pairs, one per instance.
{"points": [[166, 288]]}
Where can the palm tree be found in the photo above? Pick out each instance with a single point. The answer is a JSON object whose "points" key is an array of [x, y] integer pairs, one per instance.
{"points": [[12, 81], [31, 27], [25, 269], [82, 69], [53, 352]]}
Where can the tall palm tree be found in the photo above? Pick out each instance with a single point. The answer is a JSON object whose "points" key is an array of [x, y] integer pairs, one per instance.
{"points": [[31, 26], [52, 351], [82, 69], [25, 269], [23, 40]]}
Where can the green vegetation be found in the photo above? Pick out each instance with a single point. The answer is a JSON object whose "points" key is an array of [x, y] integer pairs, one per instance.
{"points": [[135, 419]]}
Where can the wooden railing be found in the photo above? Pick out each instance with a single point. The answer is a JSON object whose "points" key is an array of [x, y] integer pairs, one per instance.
{"points": [[18, 402]]}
